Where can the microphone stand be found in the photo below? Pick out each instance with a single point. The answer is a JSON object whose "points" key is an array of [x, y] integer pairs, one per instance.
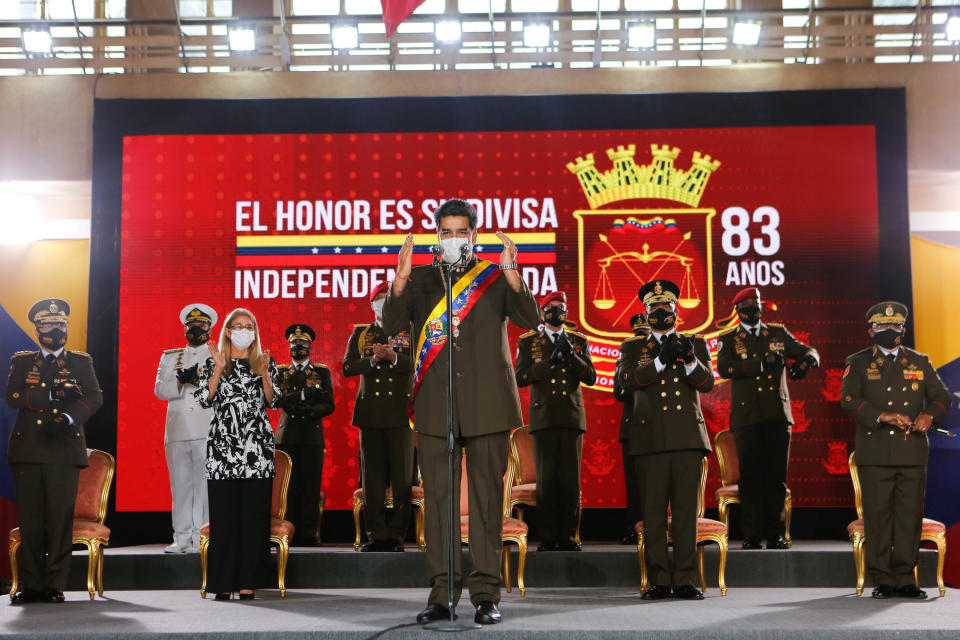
{"points": [[453, 515]]}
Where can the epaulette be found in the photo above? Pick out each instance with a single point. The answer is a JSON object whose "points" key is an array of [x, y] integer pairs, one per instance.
{"points": [[728, 330], [24, 353], [319, 365], [528, 334], [362, 325], [282, 367], [635, 338], [775, 324], [577, 333], [81, 353], [177, 350]]}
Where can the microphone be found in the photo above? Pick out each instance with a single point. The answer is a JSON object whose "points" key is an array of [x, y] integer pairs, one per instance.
{"points": [[437, 255], [464, 252]]}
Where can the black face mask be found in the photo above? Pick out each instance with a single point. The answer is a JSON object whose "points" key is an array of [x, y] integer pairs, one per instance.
{"points": [[662, 319], [749, 315], [888, 338], [53, 339], [555, 316], [197, 336], [299, 351]]}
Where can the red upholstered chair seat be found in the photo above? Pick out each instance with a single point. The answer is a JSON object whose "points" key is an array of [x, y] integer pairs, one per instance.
{"points": [[729, 491], [511, 526], [855, 526], [205, 530], [526, 492], [90, 529], [932, 527], [704, 525], [279, 527], [416, 493]]}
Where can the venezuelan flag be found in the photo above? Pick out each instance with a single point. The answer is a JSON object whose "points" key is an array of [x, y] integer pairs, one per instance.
{"points": [[375, 249]]}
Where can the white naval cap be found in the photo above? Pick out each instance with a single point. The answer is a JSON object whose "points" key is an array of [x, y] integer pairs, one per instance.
{"points": [[197, 311]]}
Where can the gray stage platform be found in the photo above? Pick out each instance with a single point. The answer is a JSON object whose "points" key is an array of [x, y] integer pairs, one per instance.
{"points": [[807, 564], [547, 614]]}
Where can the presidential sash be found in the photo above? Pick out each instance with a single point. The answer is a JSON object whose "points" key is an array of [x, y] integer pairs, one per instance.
{"points": [[433, 335]]}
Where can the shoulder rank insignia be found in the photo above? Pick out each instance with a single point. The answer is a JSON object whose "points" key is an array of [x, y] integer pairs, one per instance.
{"points": [[177, 350]]}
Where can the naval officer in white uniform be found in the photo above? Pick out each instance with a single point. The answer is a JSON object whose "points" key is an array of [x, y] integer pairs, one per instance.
{"points": [[185, 435]]}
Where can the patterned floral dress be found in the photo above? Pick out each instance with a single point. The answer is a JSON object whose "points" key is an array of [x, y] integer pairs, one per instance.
{"points": [[240, 443]]}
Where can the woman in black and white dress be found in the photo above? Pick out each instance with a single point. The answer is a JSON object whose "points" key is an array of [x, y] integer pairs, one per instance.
{"points": [[239, 382]]}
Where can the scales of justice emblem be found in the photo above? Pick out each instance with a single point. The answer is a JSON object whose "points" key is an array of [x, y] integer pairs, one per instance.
{"points": [[620, 249]]}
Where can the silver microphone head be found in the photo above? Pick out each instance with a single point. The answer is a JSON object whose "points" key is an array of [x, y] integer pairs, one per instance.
{"points": [[464, 251], [436, 250]]}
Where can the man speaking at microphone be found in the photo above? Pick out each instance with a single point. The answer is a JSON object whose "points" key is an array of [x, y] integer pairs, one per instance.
{"points": [[487, 405]]}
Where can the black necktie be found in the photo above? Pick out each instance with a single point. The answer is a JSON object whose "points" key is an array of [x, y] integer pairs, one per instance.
{"points": [[51, 358], [891, 358]]}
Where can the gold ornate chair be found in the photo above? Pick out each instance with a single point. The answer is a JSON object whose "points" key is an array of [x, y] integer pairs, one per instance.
{"points": [[416, 499], [707, 531], [729, 492], [931, 531], [281, 531], [514, 530], [522, 485], [89, 513]]}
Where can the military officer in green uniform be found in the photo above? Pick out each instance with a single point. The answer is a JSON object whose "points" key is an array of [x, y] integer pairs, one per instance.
{"points": [[306, 398], [56, 391], [758, 356], [380, 412], [895, 396], [485, 389], [554, 363], [666, 372], [631, 481]]}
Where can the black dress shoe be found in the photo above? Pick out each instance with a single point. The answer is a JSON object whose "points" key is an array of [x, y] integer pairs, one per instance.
{"points": [[396, 547], [656, 592], [911, 591], [569, 545], [688, 592], [26, 597], [630, 538], [752, 543], [487, 613], [53, 595], [548, 545], [246, 596], [778, 542], [882, 592], [374, 546], [223, 596], [434, 612]]}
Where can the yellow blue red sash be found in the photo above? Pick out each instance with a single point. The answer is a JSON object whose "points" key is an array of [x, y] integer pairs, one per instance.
{"points": [[433, 335]]}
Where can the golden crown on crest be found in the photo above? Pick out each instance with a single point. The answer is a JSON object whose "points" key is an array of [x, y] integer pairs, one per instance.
{"points": [[659, 179]]}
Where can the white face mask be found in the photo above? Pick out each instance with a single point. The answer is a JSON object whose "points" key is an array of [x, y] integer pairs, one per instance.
{"points": [[450, 249], [241, 338], [378, 307]]}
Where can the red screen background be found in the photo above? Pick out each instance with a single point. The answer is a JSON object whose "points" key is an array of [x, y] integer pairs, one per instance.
{"points": [[180, 238]]}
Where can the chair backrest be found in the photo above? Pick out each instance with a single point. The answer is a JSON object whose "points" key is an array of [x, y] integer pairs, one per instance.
{"points": [[726, 449], [521, 453], [855, 477], [281, 483], [93, 489], [704, 470]]}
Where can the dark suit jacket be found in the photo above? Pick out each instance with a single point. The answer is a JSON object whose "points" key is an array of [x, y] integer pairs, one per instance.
{"points": [[666, 405], [28, 390], [485, 385], [627, 399], [756, 395], [306, 397], [909, 385], [556, 399], [384, 390]]}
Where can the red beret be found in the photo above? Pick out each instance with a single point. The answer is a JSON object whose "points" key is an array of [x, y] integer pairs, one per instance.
{"points": [[383, 287], [750, 292], [554, 295]]}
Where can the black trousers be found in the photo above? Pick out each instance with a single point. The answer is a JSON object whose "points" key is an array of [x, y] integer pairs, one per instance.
{"points": [[558, 453], [634, 490], [46, 495], [671, 479], [239, 555], [892, 521], [386, 455], [303, 494], [486, 464], [763, 450]]}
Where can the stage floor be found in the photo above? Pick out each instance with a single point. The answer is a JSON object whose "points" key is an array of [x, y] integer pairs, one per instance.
{"points": [[575, 614]]}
